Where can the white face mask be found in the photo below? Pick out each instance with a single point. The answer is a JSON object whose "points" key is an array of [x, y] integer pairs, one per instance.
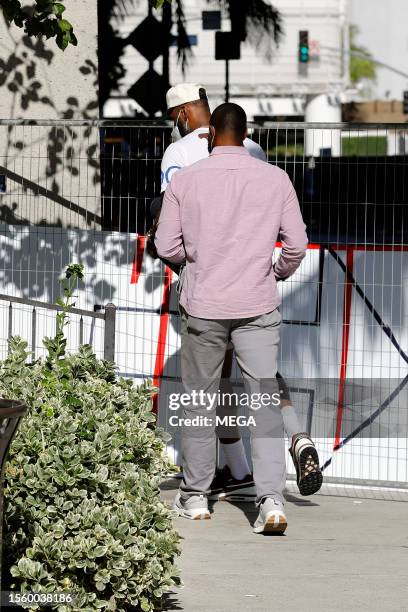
{"points": [[175, 133]]}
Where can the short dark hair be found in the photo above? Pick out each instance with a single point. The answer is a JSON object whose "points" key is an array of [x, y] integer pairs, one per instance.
{"points": [[203, 100], [229, 117]]}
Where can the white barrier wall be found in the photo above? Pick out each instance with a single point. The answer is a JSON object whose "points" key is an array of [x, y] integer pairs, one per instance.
{"points": [[351, 335]]}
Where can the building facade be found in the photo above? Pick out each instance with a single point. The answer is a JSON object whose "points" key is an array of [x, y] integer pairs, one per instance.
{"points": [[268, 85]]}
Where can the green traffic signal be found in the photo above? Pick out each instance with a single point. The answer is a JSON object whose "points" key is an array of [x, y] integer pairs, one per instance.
{"points": [[303, 46]]}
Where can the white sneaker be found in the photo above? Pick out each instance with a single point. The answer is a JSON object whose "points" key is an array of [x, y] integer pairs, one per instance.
{"points": [[271, 518], [194, 507]]}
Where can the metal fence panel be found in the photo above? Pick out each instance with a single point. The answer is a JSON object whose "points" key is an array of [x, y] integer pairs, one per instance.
{"points": [[345, 310]]}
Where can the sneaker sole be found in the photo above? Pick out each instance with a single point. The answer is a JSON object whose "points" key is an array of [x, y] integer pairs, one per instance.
{"points": [[270, 526], [312, 482]]}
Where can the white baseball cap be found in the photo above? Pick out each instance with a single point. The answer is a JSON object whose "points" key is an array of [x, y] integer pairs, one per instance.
{"points": [[184, 93]]}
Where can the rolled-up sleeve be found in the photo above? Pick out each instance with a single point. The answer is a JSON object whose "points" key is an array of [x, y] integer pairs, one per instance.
{"points": [[292, 233], [168, 239]]}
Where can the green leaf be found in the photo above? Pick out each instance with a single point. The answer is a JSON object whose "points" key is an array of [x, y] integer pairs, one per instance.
{"points": [[82, 481], [64, 26], [75, 270], [58, 8], [145, 604]]}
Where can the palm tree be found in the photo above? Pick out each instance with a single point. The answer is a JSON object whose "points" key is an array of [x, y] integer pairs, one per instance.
{"points": [[256, 21], [362, 65], [184, 52], [110, 49]]}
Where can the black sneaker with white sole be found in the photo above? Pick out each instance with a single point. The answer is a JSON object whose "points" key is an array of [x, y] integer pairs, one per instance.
{"points": [[306, 459], [225, 487]]}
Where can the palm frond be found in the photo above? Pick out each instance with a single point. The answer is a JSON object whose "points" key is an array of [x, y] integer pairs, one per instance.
{"points": [[121, 8], [264, 16], [264, 26], [184, 51], [256, 21]]}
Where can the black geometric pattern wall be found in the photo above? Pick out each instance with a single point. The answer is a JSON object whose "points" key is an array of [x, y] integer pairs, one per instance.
{"points": [[149, 38]]}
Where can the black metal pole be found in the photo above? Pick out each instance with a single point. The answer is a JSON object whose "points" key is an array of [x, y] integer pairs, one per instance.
{"points": [[167, 23], [151, 62], [227, 81]]}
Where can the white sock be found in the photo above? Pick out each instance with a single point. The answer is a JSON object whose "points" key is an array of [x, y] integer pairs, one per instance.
{"points": [[236, 459], [290, 421]]}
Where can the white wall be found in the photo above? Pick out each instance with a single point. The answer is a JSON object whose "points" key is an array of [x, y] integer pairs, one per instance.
{"points": [[66, 79], [41, 82], [33, 259]]}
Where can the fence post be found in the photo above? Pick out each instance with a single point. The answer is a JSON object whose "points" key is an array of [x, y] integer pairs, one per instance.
{"points": [[11, 412], [10, 324], [33, 333], [109, 333]]}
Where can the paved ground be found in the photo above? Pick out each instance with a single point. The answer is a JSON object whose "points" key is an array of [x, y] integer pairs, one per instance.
{"points": [[339, 553]]}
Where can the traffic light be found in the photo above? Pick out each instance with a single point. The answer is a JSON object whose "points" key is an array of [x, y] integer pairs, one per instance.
{"points": [[405, 103], [303, 46]]}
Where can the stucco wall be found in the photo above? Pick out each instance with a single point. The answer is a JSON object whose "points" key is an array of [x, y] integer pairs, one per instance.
{"points": [[52, 173]]}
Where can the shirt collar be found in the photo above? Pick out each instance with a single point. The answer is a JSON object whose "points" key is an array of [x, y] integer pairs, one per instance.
{"points": [[229, 151]]}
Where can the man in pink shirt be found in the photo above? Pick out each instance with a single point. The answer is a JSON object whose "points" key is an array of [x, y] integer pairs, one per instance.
{"points": [[221, 217]]}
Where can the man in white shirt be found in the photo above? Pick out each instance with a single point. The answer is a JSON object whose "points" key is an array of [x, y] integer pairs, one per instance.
{"points": [[188, 107]]}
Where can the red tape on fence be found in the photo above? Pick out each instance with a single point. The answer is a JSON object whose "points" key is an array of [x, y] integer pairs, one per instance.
{"points": [[138, 259], [161, 342]]}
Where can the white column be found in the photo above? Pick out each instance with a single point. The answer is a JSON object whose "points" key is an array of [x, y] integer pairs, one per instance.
{"points": [[397, 142], [323, 108]]}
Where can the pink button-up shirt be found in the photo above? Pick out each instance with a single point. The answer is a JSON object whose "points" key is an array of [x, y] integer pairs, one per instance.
{"points": [[222, 216]]}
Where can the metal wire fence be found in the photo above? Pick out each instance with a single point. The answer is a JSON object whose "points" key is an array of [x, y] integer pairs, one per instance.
{"points": [[80, 191]]}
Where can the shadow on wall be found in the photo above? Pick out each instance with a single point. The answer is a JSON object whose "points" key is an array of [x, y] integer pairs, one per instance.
{"points": [[47, 162], [33, 260]]}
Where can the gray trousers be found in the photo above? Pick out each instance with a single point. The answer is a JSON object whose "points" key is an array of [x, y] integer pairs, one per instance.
{"points": [[203, 346]]}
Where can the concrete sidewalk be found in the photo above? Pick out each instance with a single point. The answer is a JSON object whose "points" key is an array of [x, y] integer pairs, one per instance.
{"points": [[338, 554]]}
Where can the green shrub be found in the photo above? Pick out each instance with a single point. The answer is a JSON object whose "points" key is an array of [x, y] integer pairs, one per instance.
{"points": [[82, 506], [362, 146], [286, 150]]}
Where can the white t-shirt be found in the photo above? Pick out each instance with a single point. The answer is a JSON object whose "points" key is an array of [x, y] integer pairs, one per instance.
{"points": [[192, 148]]}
